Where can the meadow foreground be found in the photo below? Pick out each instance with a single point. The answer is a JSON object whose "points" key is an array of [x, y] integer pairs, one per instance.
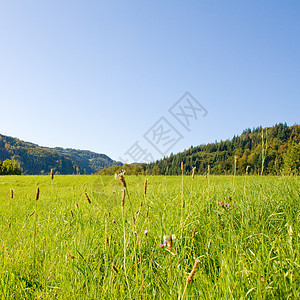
{"points": [[86, 237]]}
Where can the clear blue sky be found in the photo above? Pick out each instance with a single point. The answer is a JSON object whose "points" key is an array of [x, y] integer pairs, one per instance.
{"points": [[97, 75]]}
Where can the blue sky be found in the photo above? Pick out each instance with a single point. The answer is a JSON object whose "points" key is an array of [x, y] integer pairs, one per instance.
{"points": [[98, 75]]}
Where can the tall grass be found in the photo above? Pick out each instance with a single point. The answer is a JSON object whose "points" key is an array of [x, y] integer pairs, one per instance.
{"points": [[103, 250]]}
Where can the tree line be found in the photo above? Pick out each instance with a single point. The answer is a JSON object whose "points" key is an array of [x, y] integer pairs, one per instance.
{"points": [[268, 151], [9, 167]]}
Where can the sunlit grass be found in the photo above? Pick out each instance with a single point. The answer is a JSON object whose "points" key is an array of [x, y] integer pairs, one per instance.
{"points": [[68, 247]]}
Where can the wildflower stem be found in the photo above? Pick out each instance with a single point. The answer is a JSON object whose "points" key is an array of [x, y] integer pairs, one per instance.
{"points": [[182, 201], [192, 244], [124, 260]]}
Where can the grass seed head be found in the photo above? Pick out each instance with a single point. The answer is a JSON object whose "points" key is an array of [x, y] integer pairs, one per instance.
{"points": [[51, 174], [32, 213], [11, 193], [182, 166], [170, 242], [145, 187], [71, 256], [87, 198], [191, 275], [123, 197], [235, 164], [122, 179], [37, 194], [247, 170], [115, 269], [193, 174], [194, 232]]}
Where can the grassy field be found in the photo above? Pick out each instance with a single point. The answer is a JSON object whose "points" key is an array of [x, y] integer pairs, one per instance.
{"points": [[63, 247]]}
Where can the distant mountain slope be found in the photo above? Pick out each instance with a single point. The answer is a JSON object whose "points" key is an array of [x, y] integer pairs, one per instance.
{"points": [[34, 159], [90, 161]]}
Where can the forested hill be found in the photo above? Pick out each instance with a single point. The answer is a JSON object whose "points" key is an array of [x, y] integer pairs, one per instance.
{"points": [[278, 146], [275, 149], [90, 161], [34, 159]]}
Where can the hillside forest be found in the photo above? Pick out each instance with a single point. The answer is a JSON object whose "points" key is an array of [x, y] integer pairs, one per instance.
{"points": [[268, 151]]}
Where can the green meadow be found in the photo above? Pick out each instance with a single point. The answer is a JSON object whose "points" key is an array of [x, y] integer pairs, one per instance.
{"points": [[220, 237]]}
